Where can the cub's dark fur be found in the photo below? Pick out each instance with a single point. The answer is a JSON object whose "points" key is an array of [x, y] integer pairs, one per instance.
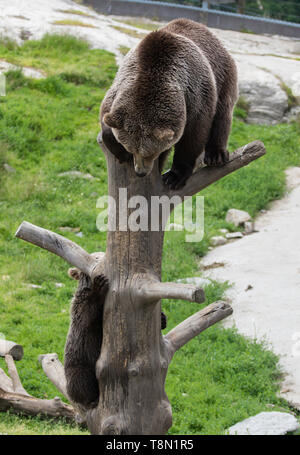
{"points": [[177, 87], [84, 339]]}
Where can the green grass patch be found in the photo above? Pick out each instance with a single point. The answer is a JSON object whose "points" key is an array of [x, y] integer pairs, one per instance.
{"points": [[50, 126], [73, 23], [124, 50]]}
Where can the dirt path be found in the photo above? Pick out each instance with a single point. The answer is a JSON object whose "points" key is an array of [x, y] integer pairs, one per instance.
{"points": [[265, 270]]}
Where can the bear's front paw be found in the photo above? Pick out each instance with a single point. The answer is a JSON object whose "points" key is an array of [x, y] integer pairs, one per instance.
{"points": [[101, 284], [216, 158], [175, 179]]}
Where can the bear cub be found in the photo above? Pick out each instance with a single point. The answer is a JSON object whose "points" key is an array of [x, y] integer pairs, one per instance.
{"points": [[84, 338], [178, 88]]}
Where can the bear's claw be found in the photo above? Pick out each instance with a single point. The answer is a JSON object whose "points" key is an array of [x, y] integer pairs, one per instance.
{"points": [[174, 180], [217, 158]]}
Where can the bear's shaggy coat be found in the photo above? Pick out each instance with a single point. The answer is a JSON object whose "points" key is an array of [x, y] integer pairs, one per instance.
{"points": [[177, 87]]}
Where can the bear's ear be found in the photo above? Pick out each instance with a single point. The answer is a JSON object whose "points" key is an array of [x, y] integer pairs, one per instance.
{"points": [[163, 134], [113, 120], [74, 273]]}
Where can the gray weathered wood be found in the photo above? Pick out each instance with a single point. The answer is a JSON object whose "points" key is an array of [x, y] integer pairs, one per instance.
{"points": [[23, 404], [57, 244], [54, 371], [208, 175], [5, 382], [134, 359], [195, 324], [14, 376], [11, 348], [150, 290]]}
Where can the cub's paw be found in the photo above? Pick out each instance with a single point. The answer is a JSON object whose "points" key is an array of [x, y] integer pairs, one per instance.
{"points": [[175, 179], [216, 158], [101, 284], [163, 321]]}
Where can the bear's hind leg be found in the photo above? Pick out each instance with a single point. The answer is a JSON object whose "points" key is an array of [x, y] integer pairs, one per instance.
{"points": [[216, 153], [82, 385]]}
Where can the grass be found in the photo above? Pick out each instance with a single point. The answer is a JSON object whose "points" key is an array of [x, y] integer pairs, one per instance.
{"points": [[74, 11], [50, 126], [124, 49], [73, 23], [139, 24], [129, 31], [241, 109]]}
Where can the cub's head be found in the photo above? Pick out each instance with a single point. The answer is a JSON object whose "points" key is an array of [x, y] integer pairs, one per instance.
{"points": [[146, 134]]}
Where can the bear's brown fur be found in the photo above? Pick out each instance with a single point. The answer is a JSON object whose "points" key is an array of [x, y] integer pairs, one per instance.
{"points": [[84, 338], [177, 87]]}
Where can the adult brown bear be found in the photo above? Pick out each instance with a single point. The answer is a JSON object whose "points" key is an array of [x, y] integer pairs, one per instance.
{"points": [[178, 86]]}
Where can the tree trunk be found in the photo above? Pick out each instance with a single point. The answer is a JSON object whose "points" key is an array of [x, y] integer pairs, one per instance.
{"points": [[134, 359]]}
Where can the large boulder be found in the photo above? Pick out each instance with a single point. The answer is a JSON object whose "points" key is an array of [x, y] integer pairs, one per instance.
{"points": [[268, 101], [266, 423], [237, 217]]}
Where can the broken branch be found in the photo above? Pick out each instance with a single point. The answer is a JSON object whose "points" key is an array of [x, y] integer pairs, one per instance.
{"points": [[11, 348], [54, 371], [59, 245], [25, 404], [195, 324], [14, 376], [208, 175]]}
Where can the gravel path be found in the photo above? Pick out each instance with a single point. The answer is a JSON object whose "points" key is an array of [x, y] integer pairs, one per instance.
{"points": [[265, 270]]}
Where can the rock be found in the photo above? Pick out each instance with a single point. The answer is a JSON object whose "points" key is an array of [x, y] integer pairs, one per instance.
{"points": [[8, 168], [263, 91], [76, 174], [79, 234], [196, 280], [234, 235], [34, 286], [266, 423], [218, 240], [292, 115], [223, 231], [237, 217], [249, 227], [59, 285]]}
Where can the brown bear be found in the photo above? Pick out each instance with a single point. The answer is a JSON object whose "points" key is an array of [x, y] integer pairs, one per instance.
{"points": [[84, 338], [177, 87]]}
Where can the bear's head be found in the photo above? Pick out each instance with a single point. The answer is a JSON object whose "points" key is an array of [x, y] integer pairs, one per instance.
{"points": [[146, 129]]}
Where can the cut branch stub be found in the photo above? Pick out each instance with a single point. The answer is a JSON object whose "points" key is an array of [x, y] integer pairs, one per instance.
{"points": [[150, 290], [11, 348]]}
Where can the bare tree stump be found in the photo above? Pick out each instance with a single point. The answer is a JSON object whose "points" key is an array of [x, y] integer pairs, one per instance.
{"points": [[134, 359]]}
